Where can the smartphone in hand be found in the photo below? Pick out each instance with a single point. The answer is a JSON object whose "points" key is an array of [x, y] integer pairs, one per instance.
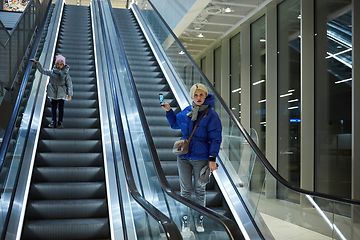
{"points": [[161, 98]]}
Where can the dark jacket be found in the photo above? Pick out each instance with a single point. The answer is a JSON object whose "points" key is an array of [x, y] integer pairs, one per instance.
{"points": [[207, 136], [60, 84]]}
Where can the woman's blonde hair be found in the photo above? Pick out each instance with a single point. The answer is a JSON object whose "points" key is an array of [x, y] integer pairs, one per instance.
{"points": [[198, 86]]}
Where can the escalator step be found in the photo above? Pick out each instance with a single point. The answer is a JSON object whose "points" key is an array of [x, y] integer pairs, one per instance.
{"points": [[67, 209], [67, 229], [69, 190]]}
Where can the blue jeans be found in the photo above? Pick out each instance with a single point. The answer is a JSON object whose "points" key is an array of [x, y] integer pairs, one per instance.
{"points": [[188, 168]]}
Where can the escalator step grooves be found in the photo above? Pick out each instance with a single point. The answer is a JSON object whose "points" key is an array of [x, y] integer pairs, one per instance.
{"points": [[67, 197]]}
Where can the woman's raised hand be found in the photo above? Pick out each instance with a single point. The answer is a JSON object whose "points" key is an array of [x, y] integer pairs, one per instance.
{"points": [[33, 60], [165, 106]]}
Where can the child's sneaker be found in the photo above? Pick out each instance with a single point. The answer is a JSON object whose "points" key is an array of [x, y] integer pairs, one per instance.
{"points": [[60, 125], [52, 125], [199, 224], [185, 224]]}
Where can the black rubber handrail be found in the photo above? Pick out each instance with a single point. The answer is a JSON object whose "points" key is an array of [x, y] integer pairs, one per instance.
{"points": [[170, 228], [229, 226], [253, 145], [11, 124]]}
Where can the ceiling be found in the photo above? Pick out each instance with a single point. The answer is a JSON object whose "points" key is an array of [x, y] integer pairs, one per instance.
{"points": [[213, 20]]}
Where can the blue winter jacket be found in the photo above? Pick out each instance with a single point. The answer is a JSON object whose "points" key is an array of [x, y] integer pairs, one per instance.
{"points": [[207, 136]]}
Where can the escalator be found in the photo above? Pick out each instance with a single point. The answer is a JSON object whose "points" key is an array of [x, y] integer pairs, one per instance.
{"points": [[232, 190], [150, 81], [67, 197]]}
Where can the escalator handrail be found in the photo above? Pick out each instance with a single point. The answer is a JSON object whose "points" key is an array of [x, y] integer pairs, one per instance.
{"points": [[14, 114], [253, 145], [170, 228], [229, 226]]}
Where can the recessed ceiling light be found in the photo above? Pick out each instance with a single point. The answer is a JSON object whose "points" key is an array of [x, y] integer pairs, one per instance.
{"points": [[181, 52], [228, 10], [200, 35]]}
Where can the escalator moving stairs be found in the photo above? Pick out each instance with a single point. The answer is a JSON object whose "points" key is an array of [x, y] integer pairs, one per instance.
{"points": [[150, 81], [67, 198]]}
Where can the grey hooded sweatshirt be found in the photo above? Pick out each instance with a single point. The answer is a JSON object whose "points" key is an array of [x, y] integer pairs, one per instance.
{"points": [[60, 84]]}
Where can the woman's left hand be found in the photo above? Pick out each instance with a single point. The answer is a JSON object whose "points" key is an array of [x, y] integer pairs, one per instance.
{"points": [[69, 97], [212, 166]]}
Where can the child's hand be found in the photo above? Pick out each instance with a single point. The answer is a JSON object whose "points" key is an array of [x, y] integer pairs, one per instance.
{"points": [[33, 60], [69, 97]]}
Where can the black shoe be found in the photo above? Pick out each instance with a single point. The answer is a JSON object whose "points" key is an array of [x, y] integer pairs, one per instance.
{"points": [[52, 125], [185, 224], [60, 125], [199, 224]]}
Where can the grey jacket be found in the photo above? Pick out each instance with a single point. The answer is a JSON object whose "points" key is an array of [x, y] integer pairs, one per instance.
{"points": [[60, 84]]}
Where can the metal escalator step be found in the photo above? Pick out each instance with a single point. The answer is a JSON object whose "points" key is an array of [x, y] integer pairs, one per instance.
{"points": [[147, 69], [83, 87], [150, 81], [67, 209], [67, 229], [154, 111], [75, 123], [79, 57], [69, 190], [75, 146], [80, 81], [71, 134], [69, 159], [164, 131], [79, 103], [81, 73], [165, 142], [165, 154], [85, 96], [75, 112], [66, 52], [152, 87], [139, 53], [152, 94], [156, 121], [68, 174], [148, 74]]}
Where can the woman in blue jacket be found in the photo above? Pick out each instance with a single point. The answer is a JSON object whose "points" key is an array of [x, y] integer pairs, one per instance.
{"points": [[204, 145]]}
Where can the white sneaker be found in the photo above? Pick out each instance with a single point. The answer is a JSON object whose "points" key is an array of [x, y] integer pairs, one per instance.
{"points": [[199, 224], [185, 224]]}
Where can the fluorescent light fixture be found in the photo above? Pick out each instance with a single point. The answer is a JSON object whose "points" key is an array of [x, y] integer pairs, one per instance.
{"points": [[332, 226], [332, 55], [291, 90], [294, 100], [239, 104], [299, 17], [345, 80], [261, 101], [262, 40], [262, 123], [290, 108], [233, 108], [181, 52], [286, 95], [236, 90], [258, 82], [200, 35], [228, 10]]}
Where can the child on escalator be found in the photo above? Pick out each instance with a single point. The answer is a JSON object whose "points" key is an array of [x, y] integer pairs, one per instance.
{"points": [[59, 89]]}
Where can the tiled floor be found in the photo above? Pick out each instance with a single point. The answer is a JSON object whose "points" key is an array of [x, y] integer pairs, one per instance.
{"points": [[282, 230]]}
